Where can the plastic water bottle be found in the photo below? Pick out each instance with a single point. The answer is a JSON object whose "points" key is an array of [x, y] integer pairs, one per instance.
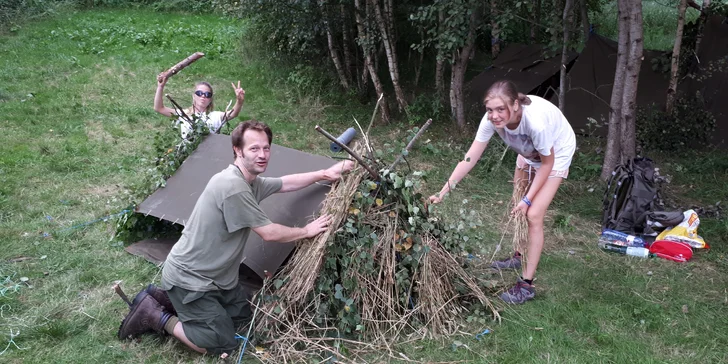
{"points": [[638, 252], [624, 238], [609, 246]]}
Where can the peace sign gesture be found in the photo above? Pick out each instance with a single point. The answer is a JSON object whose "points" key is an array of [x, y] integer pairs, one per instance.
{"points": [[239, 92]]}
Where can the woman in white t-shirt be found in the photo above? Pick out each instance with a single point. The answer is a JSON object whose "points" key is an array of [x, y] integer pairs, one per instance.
{"points": [[545, 142], [202, 106]]}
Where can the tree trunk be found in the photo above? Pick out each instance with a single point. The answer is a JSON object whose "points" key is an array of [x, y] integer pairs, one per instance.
{"points": [[420, 59], [384, 20], [565, 54], [701, 24], [459, 66], [629, 96], [348, 57], [494, 30], [612, 154], [534, 21], [585, 25], [334, 53], [672, 89], [440, 64], [556, 19], [364, 41]]}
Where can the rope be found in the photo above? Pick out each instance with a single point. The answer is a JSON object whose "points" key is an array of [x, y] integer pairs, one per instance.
{"points": [[105, 218]]}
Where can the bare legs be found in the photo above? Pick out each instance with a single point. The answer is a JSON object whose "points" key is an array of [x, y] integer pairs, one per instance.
{"points": [[535, 216]]}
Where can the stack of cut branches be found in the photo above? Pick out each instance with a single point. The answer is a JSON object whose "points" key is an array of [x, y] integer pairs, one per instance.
{"points": [[383, 272]]}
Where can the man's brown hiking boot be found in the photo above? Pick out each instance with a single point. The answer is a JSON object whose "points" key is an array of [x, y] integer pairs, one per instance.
{"points": [[161, 296], [146, 315]]}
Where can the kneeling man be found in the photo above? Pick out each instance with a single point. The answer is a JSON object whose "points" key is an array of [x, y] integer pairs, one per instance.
{"points": [[201, 302]]}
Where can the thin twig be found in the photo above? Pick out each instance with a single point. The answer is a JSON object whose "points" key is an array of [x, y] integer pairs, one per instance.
{"points": [[373, 173], [180, 112], [224, 117], [374, 114]]}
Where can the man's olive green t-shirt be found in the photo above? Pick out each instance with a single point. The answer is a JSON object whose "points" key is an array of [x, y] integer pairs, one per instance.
{"points": [[208, 255]]}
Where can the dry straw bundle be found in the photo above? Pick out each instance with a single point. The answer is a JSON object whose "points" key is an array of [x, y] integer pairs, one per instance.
{"points": [[384, 271]]}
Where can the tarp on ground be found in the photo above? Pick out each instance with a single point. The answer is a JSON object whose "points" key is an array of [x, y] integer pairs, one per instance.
{"points": [[712, 75], [529, 67], [590, 81], [175, 201]]}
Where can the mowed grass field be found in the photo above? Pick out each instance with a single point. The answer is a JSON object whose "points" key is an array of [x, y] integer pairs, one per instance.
{"points": [[78, 126]]}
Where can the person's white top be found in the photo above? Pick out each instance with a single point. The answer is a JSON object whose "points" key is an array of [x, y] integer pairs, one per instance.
{"points": [[213, 121], [542, 127]]}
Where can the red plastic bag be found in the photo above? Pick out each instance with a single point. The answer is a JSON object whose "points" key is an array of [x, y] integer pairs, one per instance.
{"points": [[672, 250]]}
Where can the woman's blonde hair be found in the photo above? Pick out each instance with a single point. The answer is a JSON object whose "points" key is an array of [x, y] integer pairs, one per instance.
{"points": [[210, 107], [507, 91]]}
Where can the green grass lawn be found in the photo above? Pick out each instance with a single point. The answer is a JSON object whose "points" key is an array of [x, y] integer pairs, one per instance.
{"points": [[78, 126]]}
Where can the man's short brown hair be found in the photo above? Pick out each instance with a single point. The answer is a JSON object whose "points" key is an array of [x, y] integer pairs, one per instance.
{"points": [[239, 131]]}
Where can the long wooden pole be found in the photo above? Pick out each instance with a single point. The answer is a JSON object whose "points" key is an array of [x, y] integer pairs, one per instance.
{"points": [[182, 64], [411, 143], [372, 172]]}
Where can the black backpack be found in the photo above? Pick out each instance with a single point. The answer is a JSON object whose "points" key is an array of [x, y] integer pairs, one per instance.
{"points": [[630, 197]]}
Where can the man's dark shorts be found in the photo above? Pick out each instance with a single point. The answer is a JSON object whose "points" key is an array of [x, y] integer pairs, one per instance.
{"points": [[210, 319]]}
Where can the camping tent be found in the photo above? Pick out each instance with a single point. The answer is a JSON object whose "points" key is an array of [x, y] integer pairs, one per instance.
{"points": [[590, 80], [711, 73], [175, 201], [528, 66]]}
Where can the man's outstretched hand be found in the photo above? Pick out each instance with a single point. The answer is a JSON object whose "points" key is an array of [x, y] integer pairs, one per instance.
{"points": [[318, 226], [335, 172]]}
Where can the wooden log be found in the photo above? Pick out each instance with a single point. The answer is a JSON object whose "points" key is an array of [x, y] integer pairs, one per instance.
{"points": [[369, 169], [181, 65]]}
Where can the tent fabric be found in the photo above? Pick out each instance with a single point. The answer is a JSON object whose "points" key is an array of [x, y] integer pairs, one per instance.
{"points": [[527, 66], [176, 200], [711, 72], [590, 81]]}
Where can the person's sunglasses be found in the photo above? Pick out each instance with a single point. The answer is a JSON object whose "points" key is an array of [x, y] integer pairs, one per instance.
{"points": [[203, 94]]}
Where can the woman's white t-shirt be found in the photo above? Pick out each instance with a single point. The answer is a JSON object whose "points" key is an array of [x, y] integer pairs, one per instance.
{"points": [[213, 120], [542, 127]]}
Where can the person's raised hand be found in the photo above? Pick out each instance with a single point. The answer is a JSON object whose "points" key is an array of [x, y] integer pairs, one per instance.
{"points": [[334, 172], [162, 79], [239, 92], [318, 226]]}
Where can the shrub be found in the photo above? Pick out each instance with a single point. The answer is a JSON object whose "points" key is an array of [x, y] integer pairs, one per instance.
{"points": [[689, 125]]}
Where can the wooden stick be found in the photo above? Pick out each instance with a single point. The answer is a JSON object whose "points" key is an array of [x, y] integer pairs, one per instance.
{"points": [[372, 172], [117, 289], [411, 143], [182, 64], [179, 109]]}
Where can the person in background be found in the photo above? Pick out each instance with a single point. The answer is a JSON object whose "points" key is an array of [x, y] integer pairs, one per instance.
{"points": [[203, 106], [545, 142]]}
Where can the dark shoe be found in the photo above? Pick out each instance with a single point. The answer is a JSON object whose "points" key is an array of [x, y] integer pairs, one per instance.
{"points": [[161, 296], [519, 293], [146, 315], [513, 262]]}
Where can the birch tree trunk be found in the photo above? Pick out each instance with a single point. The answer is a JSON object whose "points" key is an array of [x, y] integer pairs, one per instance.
{"points": [[565, 54], [585, 25], [385, 21], [459, 66], [367, 49], [701, 24], [494, 30], [333, 51], [612, 154], [672, 89], [629, 95], [348, 57]]}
